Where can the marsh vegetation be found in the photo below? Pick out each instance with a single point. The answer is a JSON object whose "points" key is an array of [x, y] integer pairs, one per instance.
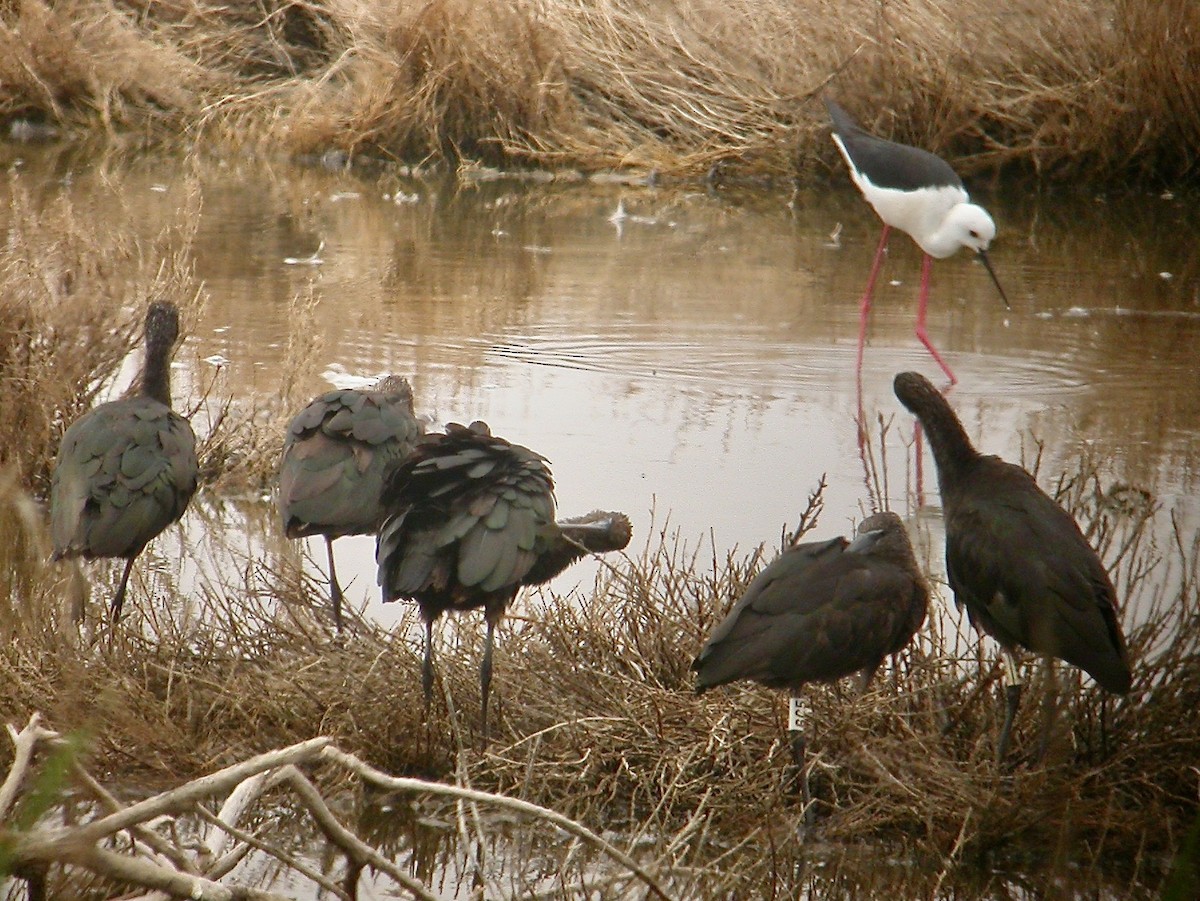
{"points": [[1095, 89], [596, 720]]}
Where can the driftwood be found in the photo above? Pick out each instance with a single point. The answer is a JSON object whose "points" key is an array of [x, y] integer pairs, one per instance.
{"points": [[151, 859]]}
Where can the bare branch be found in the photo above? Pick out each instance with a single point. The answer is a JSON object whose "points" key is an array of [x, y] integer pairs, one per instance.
{"points": [[24, 742], [359, 851], [174, 883], [397, 783], [186, 795]]}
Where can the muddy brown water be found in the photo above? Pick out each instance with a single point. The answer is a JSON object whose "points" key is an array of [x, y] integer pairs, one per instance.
{"points": [[692, 361]]}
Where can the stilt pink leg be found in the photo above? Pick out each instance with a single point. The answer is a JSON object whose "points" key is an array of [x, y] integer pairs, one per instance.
{"points": [[864, 305], [922, 304]]}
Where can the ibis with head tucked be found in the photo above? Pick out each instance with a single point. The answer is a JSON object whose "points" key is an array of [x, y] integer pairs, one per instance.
{"points": [[335, 455], [469, 520], [820, 611]]}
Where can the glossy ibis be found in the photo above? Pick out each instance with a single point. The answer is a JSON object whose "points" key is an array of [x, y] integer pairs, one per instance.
{"points": [[126, 469], [469, 520], [819, 611], [917, 192], [335, 455], [1016, 559]]}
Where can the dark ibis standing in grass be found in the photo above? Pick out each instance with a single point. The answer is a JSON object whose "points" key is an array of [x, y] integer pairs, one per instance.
{"points": [[335, 456], [917, 192], [1017, 560], [469, 521], [819, 611], [126, 469]]}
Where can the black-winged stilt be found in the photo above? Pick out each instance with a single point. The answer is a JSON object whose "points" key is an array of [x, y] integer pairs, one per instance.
{"points": [[917, 192]]}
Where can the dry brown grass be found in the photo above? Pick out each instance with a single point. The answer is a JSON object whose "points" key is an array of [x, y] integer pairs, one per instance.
{"points": [[83, 65], [1100, 89]]}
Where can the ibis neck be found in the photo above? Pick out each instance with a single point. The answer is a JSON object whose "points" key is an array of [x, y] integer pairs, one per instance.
{"points": [[952, 449], [156, 372]]}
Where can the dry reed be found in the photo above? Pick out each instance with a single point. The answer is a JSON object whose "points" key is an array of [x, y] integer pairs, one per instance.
{"points": [[1095, 89]]}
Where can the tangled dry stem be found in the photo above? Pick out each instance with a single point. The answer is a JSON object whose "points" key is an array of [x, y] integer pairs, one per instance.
{"points": [[597, 721]]}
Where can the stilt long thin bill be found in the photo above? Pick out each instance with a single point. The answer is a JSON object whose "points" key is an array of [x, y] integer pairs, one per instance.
{"points": [[987, 264]]}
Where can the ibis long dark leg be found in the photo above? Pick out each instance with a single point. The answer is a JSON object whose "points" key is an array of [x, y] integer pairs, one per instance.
{"points": [[120, 598], [1012, 699], [427, 667], [485, 675], [864, 305], [797, 713], [335, 590]]}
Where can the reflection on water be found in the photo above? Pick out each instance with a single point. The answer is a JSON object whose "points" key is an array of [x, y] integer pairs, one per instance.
{"points": [[474, 851], [696, 357]]}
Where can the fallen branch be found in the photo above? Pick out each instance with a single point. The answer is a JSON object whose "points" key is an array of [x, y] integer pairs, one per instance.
{"points": [[198, 871], [24, 742], [397, 783], [356, 848]]}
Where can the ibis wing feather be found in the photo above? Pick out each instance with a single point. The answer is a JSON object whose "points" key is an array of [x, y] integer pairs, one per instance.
{"points": [[819, 611], [479, 554], [1028, 577], [767, 593], [489, 507], [125, 471], [337, 453]]}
